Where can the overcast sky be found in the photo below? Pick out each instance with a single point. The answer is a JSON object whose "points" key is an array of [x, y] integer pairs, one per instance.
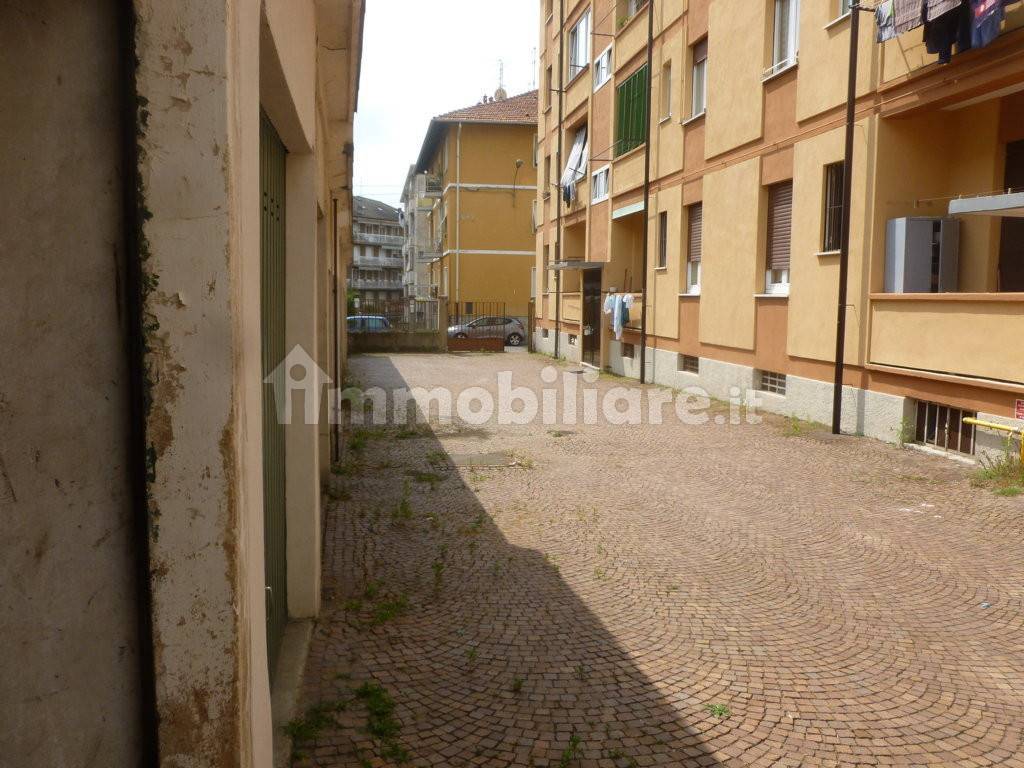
{"points": [[425, 57]]}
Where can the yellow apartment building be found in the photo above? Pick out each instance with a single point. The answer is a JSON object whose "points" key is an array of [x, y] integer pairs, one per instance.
{"points": [[482, 180], [744, 209]]}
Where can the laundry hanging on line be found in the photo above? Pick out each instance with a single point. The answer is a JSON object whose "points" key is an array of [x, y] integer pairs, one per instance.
{"points": [[965, 24], [618, 305]]}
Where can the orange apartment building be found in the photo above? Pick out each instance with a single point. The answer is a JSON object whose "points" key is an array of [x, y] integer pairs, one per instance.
{"points": [[744, 202]]}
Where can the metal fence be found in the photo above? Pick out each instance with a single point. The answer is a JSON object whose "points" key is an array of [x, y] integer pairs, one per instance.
{"points": [[486, 320], [397, 315]]}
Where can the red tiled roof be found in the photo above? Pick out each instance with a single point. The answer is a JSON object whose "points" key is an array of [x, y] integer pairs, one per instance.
{"points": [[515, 109]]}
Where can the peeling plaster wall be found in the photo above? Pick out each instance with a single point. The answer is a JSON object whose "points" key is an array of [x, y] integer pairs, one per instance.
{"points": [[199, 141], [69, 684]]}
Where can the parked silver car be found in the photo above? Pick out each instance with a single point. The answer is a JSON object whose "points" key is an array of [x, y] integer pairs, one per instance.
{"points": [[368, 324], [508, 328]]}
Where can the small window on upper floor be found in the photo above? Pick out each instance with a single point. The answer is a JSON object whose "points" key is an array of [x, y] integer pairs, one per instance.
{"points": [[549, 88], [694, 246], [666, 91], [599, 184], [699, 78], [603, 68], [631, 112], [663, 240], [785, 36], [579, 46], [844, 7], [832, 231], [780, 235]]}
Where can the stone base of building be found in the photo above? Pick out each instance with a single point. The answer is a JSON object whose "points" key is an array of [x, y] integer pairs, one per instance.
{"points": [[873, 414]]}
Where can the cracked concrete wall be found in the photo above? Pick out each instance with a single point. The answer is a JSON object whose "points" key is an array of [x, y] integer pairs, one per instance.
{"points": [[69, 683]]}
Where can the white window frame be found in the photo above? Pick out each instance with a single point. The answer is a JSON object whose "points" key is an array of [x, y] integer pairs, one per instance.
{"points": [[606, 172], [603, 68], [701, 66], [784, 58], [579, 46], [776, 282], [693, 278]]}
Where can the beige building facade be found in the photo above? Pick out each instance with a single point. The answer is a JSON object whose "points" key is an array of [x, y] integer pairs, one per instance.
{"points": [[180, 177], [482, 181], [744, 173]]}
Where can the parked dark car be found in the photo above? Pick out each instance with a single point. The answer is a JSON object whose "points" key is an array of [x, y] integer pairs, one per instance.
{"points": [[368, 324], [507, 328]]}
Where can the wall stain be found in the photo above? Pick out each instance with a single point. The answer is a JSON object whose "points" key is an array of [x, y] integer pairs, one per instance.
{"points": [[7, 494]]}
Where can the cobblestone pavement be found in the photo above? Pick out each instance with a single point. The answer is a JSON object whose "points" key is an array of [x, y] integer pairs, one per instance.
{"points": [[716, 595]]}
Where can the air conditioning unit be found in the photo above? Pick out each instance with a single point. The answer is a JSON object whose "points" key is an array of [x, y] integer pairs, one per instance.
{"points": [[921, 255]]}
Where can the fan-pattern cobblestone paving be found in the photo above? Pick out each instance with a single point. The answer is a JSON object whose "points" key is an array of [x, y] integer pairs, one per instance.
{"points": [[659, 595]]}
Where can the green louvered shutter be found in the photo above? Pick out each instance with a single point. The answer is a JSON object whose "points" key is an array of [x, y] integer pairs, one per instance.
{"points": [[272, 327]]}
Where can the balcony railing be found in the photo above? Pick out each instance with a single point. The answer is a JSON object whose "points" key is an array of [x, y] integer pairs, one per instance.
{"points": [[365, 238], [364, 283], [378, 261], [433, 186]]}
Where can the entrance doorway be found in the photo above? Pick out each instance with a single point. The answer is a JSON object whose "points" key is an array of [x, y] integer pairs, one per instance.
{"points": [[592, 317], [272, 329], [1011, 243]]}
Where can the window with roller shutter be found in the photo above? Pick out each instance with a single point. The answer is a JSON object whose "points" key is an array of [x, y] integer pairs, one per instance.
{"points": [[780, 231]]}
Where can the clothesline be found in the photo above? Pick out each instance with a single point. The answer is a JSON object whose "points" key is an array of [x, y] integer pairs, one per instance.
{"points": [[965, 24], [618, 305]]}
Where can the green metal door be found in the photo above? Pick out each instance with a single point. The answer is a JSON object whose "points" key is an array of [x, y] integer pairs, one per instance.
{"points": [[272, 320]]}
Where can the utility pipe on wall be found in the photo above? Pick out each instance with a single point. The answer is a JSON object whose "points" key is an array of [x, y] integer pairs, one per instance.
{"points": [[647, 197], [558, 166], [458, 212]]}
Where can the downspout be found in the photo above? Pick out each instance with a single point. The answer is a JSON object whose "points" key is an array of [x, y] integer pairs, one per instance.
{"points": [[335, 427], [844, 252], [558, 169], [134, 117], [647, 198], [458, 213]]}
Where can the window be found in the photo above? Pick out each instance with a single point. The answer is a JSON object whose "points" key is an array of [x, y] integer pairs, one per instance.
{"points": [[549, 88], [943, 427], [662, 240], [544, 333], [699, 80], [603, 68], [832, 234], [687, 364], [628, 9], [536, 151], [770, 381], [780, 229], [573, 339], [785, 36], [694, 246], [533, 216], [599, 187], [628, 351], [577, 164], [469, 307], [444, 156], [844, 7], [631, 112], [444, 281], [546, 190], [666, 91], [579, 46]]}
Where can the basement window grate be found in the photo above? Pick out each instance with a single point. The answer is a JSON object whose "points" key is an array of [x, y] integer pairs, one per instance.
{"points": [[628, 351], [573, 338], [770, 381], [688, 364], [943, 427]]}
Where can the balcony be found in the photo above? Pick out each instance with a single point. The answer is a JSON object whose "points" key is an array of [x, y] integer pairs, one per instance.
{"points": [[394, 262], [365, 238], [974, 335], [373, 284], [433, 186]]}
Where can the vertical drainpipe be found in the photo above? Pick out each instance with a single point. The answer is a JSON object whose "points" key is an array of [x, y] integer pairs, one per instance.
{"points": [[458, 213], [558, 167], [647, 196], [133, 216], [336, 427]]}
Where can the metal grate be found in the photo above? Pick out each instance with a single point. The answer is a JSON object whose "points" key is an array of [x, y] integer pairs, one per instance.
{"points": [[688, 364], [769, 381], [942, 426], [628, 351]]}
